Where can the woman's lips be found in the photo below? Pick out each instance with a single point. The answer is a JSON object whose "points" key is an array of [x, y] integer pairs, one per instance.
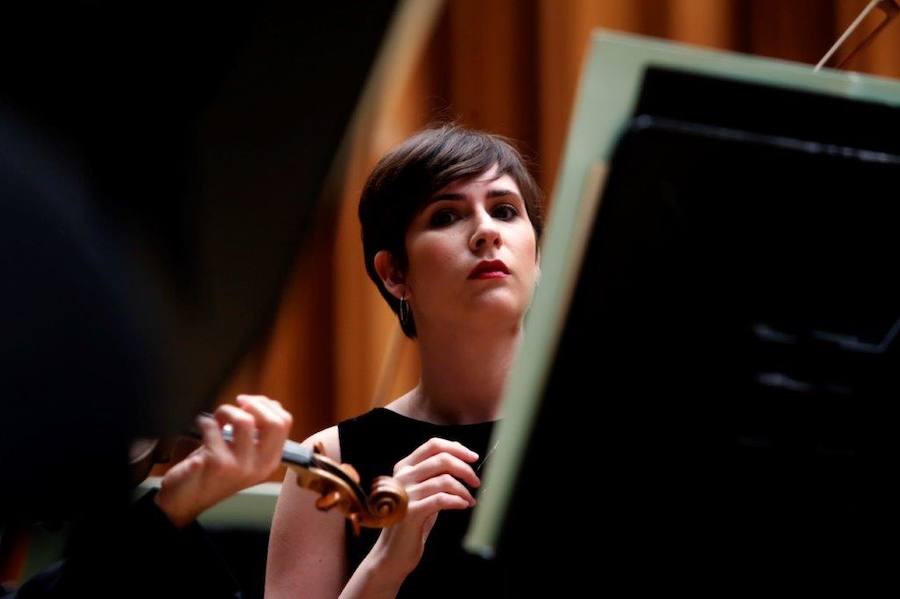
{"points": [[489, 269]]}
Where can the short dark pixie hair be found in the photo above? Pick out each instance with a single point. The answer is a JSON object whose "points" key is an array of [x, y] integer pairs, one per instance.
{"points": [[409, 175]]}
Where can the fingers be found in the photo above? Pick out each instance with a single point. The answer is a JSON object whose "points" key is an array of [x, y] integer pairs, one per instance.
{"points": [[242, 428], [442, 463], [259, 428], [273, 423], [435, 446], [439, 502], [434, 476], [273, 409], [440, 484], [211, 435]]}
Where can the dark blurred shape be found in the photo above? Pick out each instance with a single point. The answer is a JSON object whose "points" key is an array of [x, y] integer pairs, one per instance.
{"points": [[74, 368], [159, 166], [727, 374]]}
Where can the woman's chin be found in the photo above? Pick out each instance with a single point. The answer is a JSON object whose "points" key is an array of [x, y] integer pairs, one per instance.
{"points": [[497, 307]]}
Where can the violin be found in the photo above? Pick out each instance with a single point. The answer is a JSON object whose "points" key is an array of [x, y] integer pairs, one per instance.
{"points": [[338, 485]]}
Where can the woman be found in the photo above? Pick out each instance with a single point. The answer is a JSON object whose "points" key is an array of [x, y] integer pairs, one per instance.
{"points": [[450, 225]]}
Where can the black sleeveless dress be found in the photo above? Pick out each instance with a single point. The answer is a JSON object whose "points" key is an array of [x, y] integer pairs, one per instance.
{"points": [[373, 443]]}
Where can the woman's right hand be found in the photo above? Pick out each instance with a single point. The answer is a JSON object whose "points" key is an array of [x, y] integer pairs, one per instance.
{"points": [[433, 476]]}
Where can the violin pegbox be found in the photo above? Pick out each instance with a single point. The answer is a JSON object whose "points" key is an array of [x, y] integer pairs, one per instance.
{"points": [[338, 486]]}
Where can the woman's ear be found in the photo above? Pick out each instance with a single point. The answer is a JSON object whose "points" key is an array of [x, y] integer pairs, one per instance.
{"points": [[394, 280]]}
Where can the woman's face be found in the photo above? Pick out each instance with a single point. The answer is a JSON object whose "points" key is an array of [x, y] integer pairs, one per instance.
{"points": [[472, 255]]}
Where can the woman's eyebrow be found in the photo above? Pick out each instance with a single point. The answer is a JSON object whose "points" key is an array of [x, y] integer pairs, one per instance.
{"points": [[447, 196], [492, 193], [499, 193]]}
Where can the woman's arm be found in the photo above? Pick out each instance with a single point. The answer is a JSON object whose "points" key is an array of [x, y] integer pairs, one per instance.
{"points": [[306, 546], [307, 557], [433, 476]]}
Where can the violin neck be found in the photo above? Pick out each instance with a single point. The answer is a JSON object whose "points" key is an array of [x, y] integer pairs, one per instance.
{"points": [[296, 454]]}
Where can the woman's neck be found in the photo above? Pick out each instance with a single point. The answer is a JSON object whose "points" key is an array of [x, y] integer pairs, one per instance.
{"points": [[463, 374]]}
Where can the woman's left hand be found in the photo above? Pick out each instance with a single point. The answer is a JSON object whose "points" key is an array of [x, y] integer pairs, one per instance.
{"points": [[218, 469]]}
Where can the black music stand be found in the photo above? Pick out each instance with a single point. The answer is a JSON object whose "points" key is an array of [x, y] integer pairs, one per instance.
{"points": [[722, 396]]}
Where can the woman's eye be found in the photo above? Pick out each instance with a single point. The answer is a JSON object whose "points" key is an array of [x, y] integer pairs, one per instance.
{"points": [[442, 218], [505, 212]]}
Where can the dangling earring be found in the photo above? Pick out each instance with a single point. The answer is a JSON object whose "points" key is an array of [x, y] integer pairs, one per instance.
{"points": [[404, 311]]}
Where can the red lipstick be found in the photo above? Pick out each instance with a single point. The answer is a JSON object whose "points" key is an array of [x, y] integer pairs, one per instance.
{"points": [[489, 269]]}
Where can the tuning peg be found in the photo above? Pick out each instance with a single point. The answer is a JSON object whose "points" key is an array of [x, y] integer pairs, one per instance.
{"points": [[328, 501], [355, 522]]}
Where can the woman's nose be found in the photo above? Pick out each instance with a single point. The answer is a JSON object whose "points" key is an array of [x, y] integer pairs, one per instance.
{"points": [[486, 234]]}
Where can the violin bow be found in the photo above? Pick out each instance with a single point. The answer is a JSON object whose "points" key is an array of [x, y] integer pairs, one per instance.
{"points": [[890, 10]]}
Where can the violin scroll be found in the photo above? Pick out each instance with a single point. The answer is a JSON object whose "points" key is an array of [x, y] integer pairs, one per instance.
{"points": [[338, 486], [387, 501]]}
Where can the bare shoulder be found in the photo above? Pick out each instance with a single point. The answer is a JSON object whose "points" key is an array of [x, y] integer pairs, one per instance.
{"points": [[306, 555], [330, 440]]}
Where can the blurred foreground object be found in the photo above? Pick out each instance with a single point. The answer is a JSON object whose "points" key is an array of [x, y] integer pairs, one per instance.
{"points": [[160, 167]]}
